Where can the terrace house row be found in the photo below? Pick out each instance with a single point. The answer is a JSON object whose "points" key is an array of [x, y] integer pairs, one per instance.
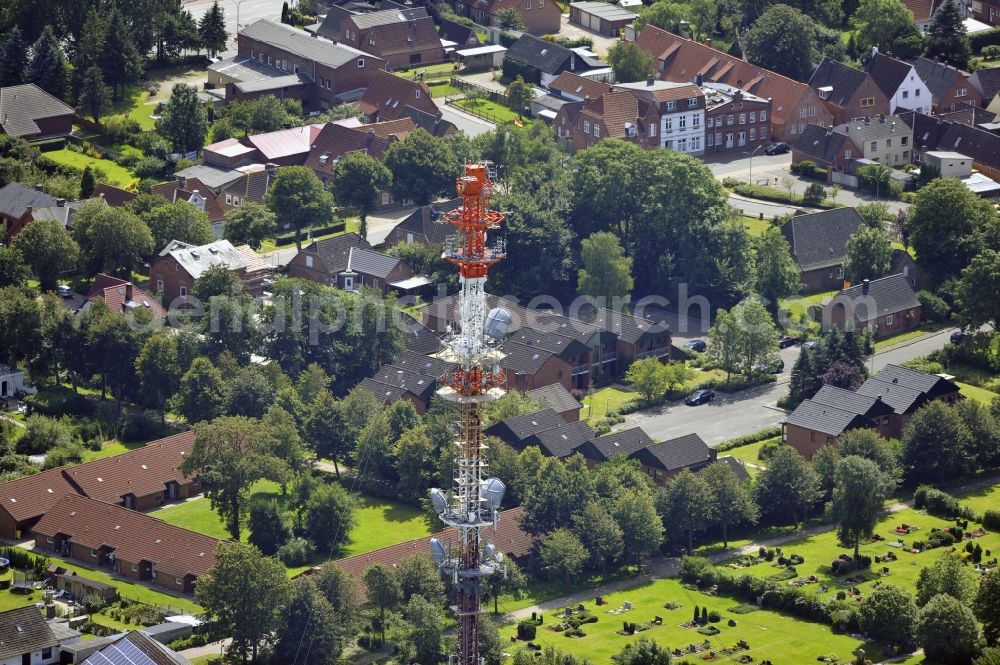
{"points": [[794, 105], [885, 403], [142, 479], [131, 544]]}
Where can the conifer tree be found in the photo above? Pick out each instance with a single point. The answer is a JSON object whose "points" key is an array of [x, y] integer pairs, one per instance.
{"points": [[48, 68], [121, 62], [94, 95], [13, 58], [89, 48], [213, 29], [946, 38]]}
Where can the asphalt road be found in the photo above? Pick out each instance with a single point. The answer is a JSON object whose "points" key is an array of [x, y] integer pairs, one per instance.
{"points": [[248, 10], [752, 410]]}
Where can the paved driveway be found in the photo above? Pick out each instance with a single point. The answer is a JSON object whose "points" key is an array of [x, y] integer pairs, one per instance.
{"points": [[755, 409], [601, 42], [466, 122]]}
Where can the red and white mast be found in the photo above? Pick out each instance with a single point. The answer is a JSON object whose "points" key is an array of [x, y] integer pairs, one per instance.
{"points": [[474, 500]]}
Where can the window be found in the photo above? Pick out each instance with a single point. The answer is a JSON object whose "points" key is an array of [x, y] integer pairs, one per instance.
{"points": [[309, 262], [718, 138], [159, 285], [840, 272], [46, 653], [753, 117], [361, 63], [597, 131], [888, 143], [696, 121], [874, 145], [903, 140], [48, 540], [888, 320], [961, 92], [743, 118], [916, 93], [847, 154], [803, 112], [253, 55], [906, 94], [682, 122], [710, 123], [729, 119], [812, 436], [93, 554], [177, 267], [229, 199], [416, 94], [349, 283], [671, 106], [184, 291], [763, 116], [295, 68], [906, 154], [729, 139], [527, 4], [179, 581], [792, 128], [269, 60], [867, 102], [236, 200], [696, 143], [977, 6], [652, 129], [682, 145], [135, 568], [586, 127], [812, 111], [742, 138], [692, 102], [710, 140], [668, 124], [753, 133]]}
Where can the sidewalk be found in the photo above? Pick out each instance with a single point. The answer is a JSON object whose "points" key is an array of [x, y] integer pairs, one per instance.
{"points": [[211, 649]]}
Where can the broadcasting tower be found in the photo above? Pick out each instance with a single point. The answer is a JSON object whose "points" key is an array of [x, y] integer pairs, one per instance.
{"points": [[474, 500]]}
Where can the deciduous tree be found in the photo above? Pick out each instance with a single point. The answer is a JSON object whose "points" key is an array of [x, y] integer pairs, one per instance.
{"points": [[987, 606], [887, 24], [421, 166], [358, 179], [509, 19], [860, 488], [685, 506], [868, 254], [947, 630], [297, 198], [158, 370], [948, 575], [201, 394], [776, 274], [629, 62], [562, 555], [269, 529], [178, 221], [936, 446], [977, 291], [48, 249], [890, 614], [606, 272], [732, 500], [328, 517], [788, 488], [783, 39], [310, 628], [184, 121], [249, 224], [111, 240], [383, 592]]}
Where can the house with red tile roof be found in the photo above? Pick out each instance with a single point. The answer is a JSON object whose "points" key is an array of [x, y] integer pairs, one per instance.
{"points": [[794, 104], [140, 479], [336, 141], [401, 38], [122, 296], [113, 196], [128, 543], [619, 114], [388, 96], [194, 192]]}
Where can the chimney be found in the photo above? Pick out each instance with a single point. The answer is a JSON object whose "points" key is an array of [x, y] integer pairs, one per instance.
{"points": [[864, 287], [874, 51], [649, 80], [38, 187], [181, 181], [399, 378], [708, 42], [699, 80], [271, 168], [50, 610], [29, 209], [60, 202], [128, 291]]}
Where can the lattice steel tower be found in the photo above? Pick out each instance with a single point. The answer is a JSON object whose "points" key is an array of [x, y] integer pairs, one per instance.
{"points": [[474, 500]]}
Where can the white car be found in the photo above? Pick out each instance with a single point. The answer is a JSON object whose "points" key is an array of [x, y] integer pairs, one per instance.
{"points": [[64, 290]]}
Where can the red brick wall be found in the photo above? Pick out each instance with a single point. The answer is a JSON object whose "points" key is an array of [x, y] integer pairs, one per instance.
{"points": [[762, 130], [149, 501], [8, 527], [555, 370], [854, 109], [297, 268], [823, 279], [808, 101], [806, 441], [60, 124], [164, 269], [541, 21]]}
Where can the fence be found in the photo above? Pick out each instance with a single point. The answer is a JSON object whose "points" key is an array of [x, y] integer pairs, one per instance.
{"points": [[480, 91], [485, 115]]}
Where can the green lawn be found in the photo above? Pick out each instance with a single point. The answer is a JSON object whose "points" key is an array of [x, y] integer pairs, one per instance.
{"points": [[351, 225], [749, 454], [605, 401], [116, 175], [489, 110], [799, 305], [781, 639], [109, 449], [380, 522], [899, 338], [977, 393], [428, 70], [982, 500], [444, 90], [820, 550], [754, 225]]}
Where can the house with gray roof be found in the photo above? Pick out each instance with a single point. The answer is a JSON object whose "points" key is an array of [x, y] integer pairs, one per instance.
{"points": [[663, 461], [425, 225], [178, 266], [17, 205], [540, 61], [826, 148], [27, 637], [898, 80], [557, 398], [950, 87], [906, 390], [349, 262], [818, 244], [30, 113], [849, 93], [813, 425], [887, 306]]}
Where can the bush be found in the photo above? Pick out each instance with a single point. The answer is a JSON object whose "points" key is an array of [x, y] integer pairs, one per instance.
{"points": [[747, 439], [808, 169], [153, 145], [737, 383], [991, 520], [59, 402], [43, 434], [714, 617], [297, 552], [940, 503], [935, 309], [814, 194], [120, 128], [983, 40], [149, 167], [526, 631]]}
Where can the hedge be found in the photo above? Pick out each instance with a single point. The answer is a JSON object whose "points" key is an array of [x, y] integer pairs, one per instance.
{"points": [[940, 503], [747, 439], [980, 40], [991, 520], [289, 238]]}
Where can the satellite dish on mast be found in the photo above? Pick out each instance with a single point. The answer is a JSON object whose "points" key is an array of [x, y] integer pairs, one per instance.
{"points": [[498, 323]]}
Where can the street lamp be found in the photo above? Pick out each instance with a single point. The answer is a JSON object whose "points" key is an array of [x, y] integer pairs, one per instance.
{"points": [[238, 3], [751, 162], [879, 172]]}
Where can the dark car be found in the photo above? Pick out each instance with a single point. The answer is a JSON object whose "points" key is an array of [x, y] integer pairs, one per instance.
{"points": [[960, 336], [776, 149], [700, 397], [787, 341], [698, 345]]}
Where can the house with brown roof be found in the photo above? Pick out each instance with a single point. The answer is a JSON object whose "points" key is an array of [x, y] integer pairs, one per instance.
{"points": [[123, 296], [618, 114], [30, 113], [887, 306], [128, 543], [849, 93], [794, 105], [388, 95], [336, 141], [140, 479], [113, 196], [399, 38], [540, 17], [734, 119], [899, 82], [950, 87], [576, 88], [196, 193], [27, 637], [680, 108]]}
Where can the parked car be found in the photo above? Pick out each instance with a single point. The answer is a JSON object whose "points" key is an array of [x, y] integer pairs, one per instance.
{"points": [[809, 345], [960, 336], [776, 366], [64, 290], [698, 345], [776, 149], [700, 397], [787, 341]]}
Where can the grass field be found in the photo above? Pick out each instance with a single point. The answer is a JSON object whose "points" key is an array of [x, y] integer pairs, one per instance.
{"points": [[749, 454], [490, 110], [907, 336], [977, 393], [116, 175], [820, 550], [781, 639], [380, 522], [799, 305], [983, 500], [109, 449], [604, 401], [444, 90], [754, 225]]}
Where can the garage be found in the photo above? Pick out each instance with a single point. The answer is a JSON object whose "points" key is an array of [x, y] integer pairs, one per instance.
{"points": [[600, 17]]}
